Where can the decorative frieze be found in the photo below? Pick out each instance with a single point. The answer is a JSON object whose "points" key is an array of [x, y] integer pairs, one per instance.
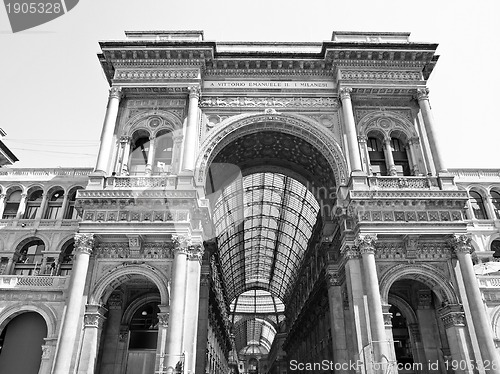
{"points": [[380, 75], [155, 74], [267, 102], [403, 182]]}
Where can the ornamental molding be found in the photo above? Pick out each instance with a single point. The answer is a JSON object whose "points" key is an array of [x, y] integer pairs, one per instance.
{"points": [[402, 214], [302, 127], [378, 75], [215, 71], [84, 243], [431, 194], [266, 102], [117, 194], [155, 75]]}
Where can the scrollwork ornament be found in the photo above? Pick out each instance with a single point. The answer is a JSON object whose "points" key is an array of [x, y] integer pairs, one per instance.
{"points": [[345, 93], [84, 243], [366, 243], [423, 93], [115, 93], [461, 243]]}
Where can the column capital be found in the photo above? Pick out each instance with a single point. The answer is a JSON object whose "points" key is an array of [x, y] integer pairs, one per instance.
{"points": [[345, 93], [414, 141], [362, 138], [163, 319], [84, 243], [365, 243], [115, 93], [350, 252], [125, 139], [194, 92], [452, 315], [422, 93], [94, 315], [333, 278], [195, 252], [461, 243]]}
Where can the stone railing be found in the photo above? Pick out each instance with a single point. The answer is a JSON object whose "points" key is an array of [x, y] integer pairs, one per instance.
{"points": [[477, 175], [488, 281], [34, 283], [400, 182], [29, 172], [143, 182], [38, 223]]}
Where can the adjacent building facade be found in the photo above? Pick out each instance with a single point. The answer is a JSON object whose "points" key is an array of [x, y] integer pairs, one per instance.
{"points": [[255, 208]]}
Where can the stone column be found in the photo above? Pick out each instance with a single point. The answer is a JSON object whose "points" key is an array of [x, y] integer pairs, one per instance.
{"points": [[151, 156], [41, 210], [425, 108], [365, 159], [417, 347], [190, 141], [67, 337], [381, 346], [64, 206], [111, 334], [176, 153], [388, 328], [119, 158], [122, 350], [93, 321], [192, 305], [389, 158], [22, 206], [126, 154], [163, 316], [47, 354], [10, 265], [336, 306], [178, 295], [481, 321], [412, 148], [108, 129], [453, 319], [2, 204], [488, 205], [203, 318], [350, 128]]}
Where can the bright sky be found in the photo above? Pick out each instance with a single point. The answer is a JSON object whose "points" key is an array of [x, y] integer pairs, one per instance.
{"points": [[54, 93]]}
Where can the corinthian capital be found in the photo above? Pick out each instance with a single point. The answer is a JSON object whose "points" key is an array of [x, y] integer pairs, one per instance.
{"points": [[84, 243], [195, 252], [115, 93], [423, 93], [461, 243], [366, 242], [345, 93], [194, 91]]}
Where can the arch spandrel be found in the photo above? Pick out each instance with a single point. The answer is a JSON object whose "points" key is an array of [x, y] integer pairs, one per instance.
{"points": [[140, 121], [245, 124], [386, 122]]}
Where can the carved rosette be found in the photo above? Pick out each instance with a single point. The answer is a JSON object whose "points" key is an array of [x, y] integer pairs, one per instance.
{"points": [[365, 243], [194, 92], [452, 316], [345, 93], [115, 93], [422, 93], [461, 243], [84, 243]]}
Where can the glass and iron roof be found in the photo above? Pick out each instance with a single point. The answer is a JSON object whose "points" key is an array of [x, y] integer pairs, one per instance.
{"points": [[263, 223]]}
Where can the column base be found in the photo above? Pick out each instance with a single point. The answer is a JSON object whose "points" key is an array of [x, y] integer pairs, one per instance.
{"points": [[358, 180]]}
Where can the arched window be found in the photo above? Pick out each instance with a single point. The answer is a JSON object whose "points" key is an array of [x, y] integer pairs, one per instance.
{"points": [[495, 247], [495, 200], [477, 205], [33, 204], [400, 157], [65, 261], [139, 154], [29, 257], [12, 204], [376, 154], [55, 204], [164, 145], [71, 212]]}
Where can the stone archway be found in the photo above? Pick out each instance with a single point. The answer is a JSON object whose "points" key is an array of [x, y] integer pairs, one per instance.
{"points": [[299, 126]]}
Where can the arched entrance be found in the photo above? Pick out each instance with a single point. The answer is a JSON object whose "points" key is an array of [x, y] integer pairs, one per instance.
{"points": [[272, 185], [21, 343]]}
